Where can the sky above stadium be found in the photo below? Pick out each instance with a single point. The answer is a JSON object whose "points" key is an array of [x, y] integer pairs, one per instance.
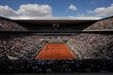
{"points": [[56, 8]]}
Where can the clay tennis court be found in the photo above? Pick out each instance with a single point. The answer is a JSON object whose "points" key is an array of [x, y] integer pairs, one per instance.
{"points": [[55, 52]]}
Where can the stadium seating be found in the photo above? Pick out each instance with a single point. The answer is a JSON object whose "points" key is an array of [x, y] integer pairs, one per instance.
{"points": [[104, 24], [9, 25], [26, 46]]}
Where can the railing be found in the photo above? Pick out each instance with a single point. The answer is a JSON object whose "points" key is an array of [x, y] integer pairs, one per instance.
{"points": [[57, 32], [60, 31]]}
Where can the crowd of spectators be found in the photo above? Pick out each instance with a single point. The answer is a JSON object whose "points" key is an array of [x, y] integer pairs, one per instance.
{"points": [[23, 46], [26, 46], [104, 24], [94, 46], [55, 66], [84, 45], [9, 25]]}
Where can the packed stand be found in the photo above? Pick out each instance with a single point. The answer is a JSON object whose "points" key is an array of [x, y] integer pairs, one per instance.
{"points": [[9, 25], [94, 46], [104, 24], [23, 46], [85, 45], [45, 66]]}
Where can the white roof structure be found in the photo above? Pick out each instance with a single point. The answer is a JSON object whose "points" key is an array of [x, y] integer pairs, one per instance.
{"points": [[55, 18]]}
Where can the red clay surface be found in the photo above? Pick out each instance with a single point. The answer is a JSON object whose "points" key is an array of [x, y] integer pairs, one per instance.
{"points": [[56, 52]]}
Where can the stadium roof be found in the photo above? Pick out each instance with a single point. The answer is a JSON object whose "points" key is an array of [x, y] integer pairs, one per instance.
{"points": [[56, 18]]}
